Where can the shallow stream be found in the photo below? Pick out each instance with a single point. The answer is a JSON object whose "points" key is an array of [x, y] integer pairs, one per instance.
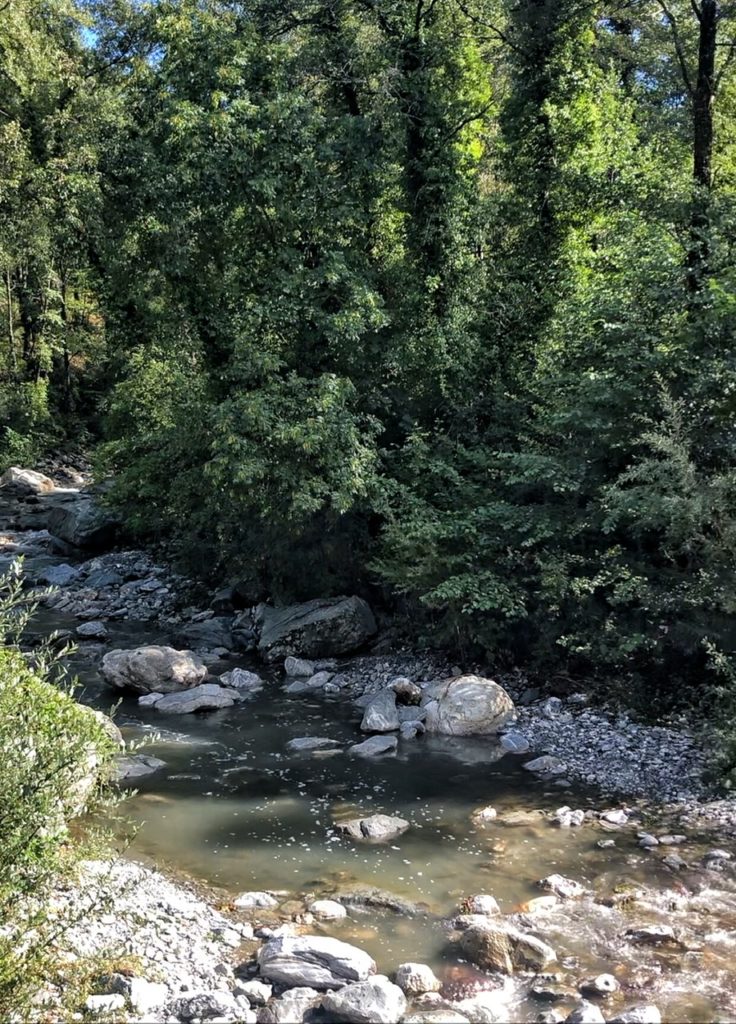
{"points": [[234, 810]]}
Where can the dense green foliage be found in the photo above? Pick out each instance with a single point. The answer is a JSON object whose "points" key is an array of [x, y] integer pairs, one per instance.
{"points": [[432, 296], [55, 756]]}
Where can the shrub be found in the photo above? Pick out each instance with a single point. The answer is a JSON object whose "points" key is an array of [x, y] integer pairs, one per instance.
{"points": [[56, 754]]}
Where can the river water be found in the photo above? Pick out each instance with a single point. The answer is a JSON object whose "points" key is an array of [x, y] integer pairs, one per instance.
{"points": [[233, 809]]}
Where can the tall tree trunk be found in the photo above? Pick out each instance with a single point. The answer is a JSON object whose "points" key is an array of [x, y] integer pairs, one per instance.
{"points": [[67, 399], [12, 358], [702, 100]]}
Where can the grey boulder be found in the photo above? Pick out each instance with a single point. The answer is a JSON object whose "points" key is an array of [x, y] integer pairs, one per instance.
{"points": [[381, 715], [152, 669], [376, 1001], [84, 523], [468, 705], [314, 961], [315, 629], [293, 1007]]}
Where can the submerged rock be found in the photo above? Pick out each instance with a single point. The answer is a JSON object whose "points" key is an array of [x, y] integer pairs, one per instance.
{"points": [[301, 743], [377, 827], [314, 961], [152, 669], [136, 766], [376, 1001], [319, 628], [374, 746], [468, 705]]}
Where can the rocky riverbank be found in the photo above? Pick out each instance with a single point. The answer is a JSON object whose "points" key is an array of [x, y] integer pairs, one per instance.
{"points": [[163, 953]]}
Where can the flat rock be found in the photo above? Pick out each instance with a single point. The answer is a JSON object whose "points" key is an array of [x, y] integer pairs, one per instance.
{"points": [[152, 669], [374, 746], [314, 629], [375, 1001], [314, 961], [205, 697], [381, 715], [468, 705], [301, 743], [136, 766]]}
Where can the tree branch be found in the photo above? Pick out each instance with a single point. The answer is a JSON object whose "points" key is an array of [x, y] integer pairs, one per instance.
{"points": [[678, 46], [487, 24], [465, 121]]}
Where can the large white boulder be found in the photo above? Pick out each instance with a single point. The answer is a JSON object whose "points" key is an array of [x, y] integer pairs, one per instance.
{"points": [[468, 705], [26, 481], [152, 669]]}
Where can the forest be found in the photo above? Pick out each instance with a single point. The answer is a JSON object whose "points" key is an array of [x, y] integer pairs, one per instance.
{"points": [[427, 300]]}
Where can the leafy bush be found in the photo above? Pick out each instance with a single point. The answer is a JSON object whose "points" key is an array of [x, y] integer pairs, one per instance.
{"points": [[56, 755]]}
